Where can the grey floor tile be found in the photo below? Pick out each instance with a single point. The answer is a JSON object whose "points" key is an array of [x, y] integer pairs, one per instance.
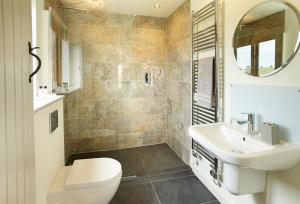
{"points": [[159, 159], [131, 164], [188, 190], [135, 194]]}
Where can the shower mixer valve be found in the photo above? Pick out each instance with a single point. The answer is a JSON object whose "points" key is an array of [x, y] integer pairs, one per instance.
{"points": [[148, 79]]}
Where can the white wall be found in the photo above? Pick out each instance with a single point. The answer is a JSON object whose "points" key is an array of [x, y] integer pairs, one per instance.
{"points": [[44, 76], [49, 149], [283, 187]]}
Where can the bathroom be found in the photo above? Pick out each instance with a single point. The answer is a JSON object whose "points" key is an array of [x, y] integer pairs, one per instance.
{"points": [[111, 110]]}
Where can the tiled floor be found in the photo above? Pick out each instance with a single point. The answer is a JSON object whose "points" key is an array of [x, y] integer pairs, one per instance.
{"points": [[154, 175]]}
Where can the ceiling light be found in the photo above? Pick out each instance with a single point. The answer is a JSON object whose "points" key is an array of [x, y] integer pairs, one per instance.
{"points": [[156, 6]]}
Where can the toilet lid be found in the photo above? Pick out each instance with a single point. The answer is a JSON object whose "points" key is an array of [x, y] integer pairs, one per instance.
{"points": [[92, 172]]}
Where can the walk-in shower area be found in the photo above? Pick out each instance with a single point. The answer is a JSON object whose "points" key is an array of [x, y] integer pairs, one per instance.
{"points": [[135, 79]]}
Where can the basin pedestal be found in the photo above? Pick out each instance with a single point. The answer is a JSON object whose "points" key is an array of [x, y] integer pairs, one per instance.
{"points": [[240, 181]]}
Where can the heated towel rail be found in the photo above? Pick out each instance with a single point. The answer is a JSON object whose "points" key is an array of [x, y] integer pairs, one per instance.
{"points": [[207, 42]]}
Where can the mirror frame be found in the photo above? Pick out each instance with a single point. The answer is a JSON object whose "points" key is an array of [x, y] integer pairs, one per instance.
{"points": [[297, 46]]}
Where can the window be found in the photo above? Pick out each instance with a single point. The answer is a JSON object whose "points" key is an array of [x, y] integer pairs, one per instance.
{"points": [[244, 58], [266, 60]]}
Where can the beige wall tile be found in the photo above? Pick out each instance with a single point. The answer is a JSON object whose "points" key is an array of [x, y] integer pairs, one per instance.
{"points": [[121, 20], [100, 90], [108, 142], [161, 23], [120, 125], [79, 145], [75, 32], [87, 109], [132, 106], [127, 54], [127, 36], [143, 54], [103, 132], [159, 54], [154, 137], [132, 71], [131, 140], [150, 37], [105, 71], [87, 90], [101, 34], [142, 123], [87, 127], [107, 108], [184, 92], [159, 122], [185, 70], [159, 88], [156, 105], [71, 106], [87, 71], [178, 79], [72, 128], [144, 22]]}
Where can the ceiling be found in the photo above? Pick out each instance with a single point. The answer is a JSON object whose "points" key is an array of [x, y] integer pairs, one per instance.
{"points": [[142, 7]]}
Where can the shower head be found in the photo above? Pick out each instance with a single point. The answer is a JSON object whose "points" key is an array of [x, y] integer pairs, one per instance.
{"points": [[89, 5]]}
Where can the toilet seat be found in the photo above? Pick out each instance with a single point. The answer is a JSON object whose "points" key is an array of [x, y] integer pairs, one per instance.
{"points": [[92, 172]]}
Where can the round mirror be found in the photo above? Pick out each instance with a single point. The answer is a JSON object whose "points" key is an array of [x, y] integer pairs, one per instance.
{"points": [[266, 38]]}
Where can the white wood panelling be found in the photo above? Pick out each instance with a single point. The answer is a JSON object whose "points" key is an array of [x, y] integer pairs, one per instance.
{"points": [[3, 170], [16, 118]]}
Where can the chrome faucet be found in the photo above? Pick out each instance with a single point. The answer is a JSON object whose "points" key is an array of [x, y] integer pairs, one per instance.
{"points": [[250, 122]]}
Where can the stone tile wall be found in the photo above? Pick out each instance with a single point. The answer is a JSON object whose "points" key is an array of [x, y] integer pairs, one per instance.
{"points": [[114, 110], [178, 80], [110, 114]]}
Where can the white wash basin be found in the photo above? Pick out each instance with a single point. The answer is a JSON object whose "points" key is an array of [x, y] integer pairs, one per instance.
{"points": [[233, 146]]}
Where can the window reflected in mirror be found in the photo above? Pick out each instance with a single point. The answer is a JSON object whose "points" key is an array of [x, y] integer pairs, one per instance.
{"points": [[266, 59], [243, 57], [266, 38]]}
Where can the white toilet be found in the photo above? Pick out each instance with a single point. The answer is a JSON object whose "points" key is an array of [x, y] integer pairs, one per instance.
{"points": [[88, 181]]}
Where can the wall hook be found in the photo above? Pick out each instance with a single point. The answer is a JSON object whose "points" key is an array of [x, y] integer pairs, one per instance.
{"points": [[31, 49]]}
